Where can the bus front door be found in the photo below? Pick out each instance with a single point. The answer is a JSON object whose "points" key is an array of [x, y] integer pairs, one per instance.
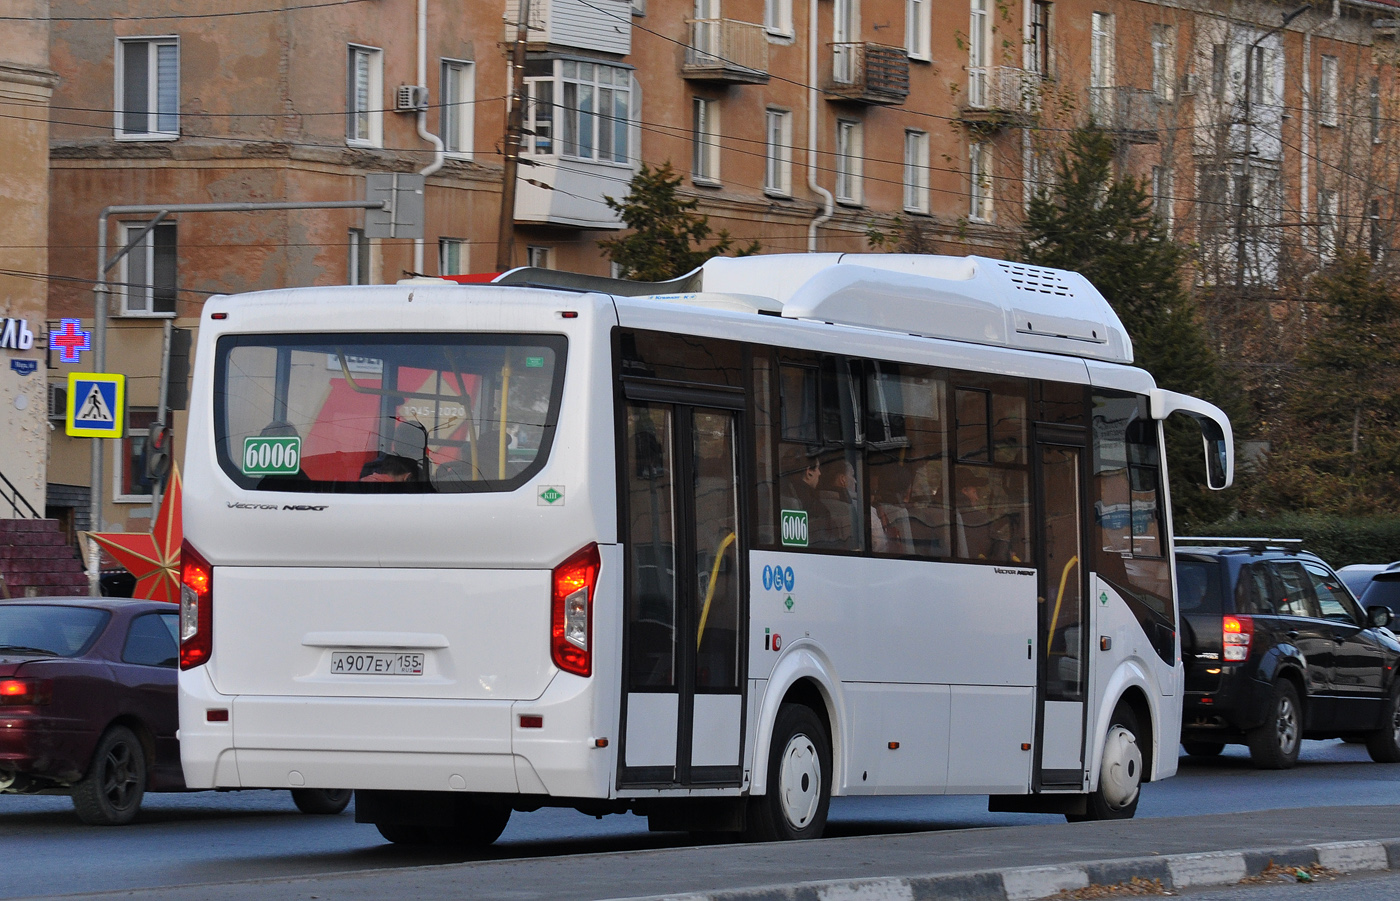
{"points": [[1063, 638], [683, 670]]}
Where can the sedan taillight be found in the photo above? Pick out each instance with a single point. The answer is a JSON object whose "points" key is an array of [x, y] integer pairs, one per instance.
{"points": [[196, 608], [25, 692]]}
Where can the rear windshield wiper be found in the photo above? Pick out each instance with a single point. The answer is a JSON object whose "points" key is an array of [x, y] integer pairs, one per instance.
{"points": [[25, 649]]}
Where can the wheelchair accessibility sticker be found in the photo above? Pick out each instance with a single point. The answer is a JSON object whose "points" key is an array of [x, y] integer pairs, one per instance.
{"points": [[778, 578]]}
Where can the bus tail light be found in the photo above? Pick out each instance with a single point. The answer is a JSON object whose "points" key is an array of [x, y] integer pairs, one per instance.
{"points": [[572, 613], [196, 608], [1237, 634]]}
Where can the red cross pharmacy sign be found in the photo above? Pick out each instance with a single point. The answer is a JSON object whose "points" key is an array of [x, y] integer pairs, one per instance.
{"points": [[96, 405]]}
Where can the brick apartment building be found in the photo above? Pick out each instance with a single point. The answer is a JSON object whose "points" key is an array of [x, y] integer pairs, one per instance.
{"points": [[799, 124]]}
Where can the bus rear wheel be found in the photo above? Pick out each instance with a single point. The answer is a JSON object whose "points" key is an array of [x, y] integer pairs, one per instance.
{"points": [[1120, 772], [799, 780]]}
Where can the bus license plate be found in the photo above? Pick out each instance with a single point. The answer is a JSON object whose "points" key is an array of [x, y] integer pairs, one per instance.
{"points": [[359, 663]]}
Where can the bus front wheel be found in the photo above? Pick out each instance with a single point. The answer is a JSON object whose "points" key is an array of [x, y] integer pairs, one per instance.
{"points": [[1120, 773], [799, 780]]}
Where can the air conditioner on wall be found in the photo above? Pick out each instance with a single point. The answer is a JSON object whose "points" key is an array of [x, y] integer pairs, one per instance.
{"points": [[410, 98], [58, 401]]}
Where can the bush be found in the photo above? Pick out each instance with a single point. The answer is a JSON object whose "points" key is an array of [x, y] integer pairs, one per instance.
{"points": [[1340, 540]]}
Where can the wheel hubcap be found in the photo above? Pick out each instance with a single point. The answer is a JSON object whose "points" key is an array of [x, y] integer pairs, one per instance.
{"points": [[119, 777], [799, 781], [1395, 722], [1122, 767], [1287, 726]]}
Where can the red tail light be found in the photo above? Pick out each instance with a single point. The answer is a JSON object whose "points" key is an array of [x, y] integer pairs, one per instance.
{"points": [[196, 608], [571, 642], [25, 692], [1237, 632]]}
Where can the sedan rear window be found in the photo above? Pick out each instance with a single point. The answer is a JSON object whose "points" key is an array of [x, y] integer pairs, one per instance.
{"points": [[386, 413], [48, 630]]}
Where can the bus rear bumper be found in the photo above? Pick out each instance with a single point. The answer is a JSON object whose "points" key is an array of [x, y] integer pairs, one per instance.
{"points": [[545, 746]]}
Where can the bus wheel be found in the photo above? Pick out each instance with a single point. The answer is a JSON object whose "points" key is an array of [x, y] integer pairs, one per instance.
{"points": [[405, 834], [321, 801], [478, 825], [1120, 773], [799, 780]]}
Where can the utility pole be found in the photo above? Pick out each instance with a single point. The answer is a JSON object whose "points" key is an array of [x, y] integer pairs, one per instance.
{"points": [[515, 124], [1247, 151]]}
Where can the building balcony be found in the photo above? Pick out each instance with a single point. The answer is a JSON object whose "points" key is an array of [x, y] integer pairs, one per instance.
{"points": [[724, 51], [1001, 96], [866, 73], [1129, 114], [554, 190]]}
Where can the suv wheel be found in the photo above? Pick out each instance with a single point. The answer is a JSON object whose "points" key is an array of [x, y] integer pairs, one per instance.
{"points": [[1275, 745], [1384, 744]]}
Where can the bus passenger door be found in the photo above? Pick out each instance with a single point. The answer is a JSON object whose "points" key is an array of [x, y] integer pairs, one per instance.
{"points": [[1063, 639], [684, 602]]}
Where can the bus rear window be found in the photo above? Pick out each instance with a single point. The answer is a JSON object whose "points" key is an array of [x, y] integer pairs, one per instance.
{"points": [[386, 413]]}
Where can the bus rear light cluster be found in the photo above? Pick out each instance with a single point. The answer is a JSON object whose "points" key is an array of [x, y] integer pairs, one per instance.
{"points": [[196, 608], [1237, 633], [572, 611]]}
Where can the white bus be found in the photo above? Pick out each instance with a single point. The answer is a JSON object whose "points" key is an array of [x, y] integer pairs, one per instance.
{"points": [[710, 551]]}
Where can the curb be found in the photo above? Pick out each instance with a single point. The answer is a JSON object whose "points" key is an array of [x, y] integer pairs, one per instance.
{"points": [[1173, 871]]}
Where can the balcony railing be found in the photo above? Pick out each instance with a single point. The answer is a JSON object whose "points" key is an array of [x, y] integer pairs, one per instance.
{"points": [[867, 73], [724, 50], [1130, 114], [1002, 95]]}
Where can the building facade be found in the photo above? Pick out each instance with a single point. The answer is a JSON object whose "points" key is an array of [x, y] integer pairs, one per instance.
{"points": [[818, 125]]}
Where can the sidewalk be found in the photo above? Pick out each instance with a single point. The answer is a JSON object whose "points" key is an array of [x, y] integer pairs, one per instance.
{"points": [[1016, 862]]}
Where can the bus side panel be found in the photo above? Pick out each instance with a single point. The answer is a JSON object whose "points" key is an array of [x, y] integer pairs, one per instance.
{"points": [[1130, 660], [911, 642]]}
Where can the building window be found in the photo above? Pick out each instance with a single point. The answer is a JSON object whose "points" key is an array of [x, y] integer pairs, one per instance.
{"points": [[1257, 76], [579, 109], [1164, 62], [916, 171], [1327, 92], [777, 173], [705, 140], [539, 257], [1375, 98], [458, 97], [364, 97], [148, 88], [777, 17], [1162, 194], [1219, 78], [1101, 102], [980, 172], [917, 24], [359, 257], [849, 161], [131, 484], [452, 256], [148, 270], [1327, 224], [979, 40], [1040, 37]]}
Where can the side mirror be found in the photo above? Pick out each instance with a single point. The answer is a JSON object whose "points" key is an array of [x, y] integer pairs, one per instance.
{"points": [[1378, 616]]}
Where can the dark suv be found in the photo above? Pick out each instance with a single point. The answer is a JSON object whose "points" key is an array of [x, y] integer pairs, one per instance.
{"points": [[1277, 650]]}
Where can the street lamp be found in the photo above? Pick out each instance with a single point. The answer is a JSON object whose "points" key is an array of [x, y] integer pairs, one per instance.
{"points": [[1248, 148]]}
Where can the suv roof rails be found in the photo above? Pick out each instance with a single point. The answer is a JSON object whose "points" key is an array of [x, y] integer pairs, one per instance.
{"points": [[1287, 545]]}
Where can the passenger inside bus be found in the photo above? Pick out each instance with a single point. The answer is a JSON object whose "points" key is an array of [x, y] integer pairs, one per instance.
{"points": [[891, 488]]}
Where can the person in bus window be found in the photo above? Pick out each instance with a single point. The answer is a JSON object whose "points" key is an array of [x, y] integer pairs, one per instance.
{"points": [[802, 476], [974, 517], [390, 468], [891, 487]]}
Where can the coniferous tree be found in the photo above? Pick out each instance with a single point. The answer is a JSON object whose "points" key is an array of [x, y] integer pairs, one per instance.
{"points": [[1340, 447], [1105, 227], [667, 234]]}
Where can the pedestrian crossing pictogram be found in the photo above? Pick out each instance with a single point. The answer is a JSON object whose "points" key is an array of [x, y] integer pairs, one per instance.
{"points": [[96, 405]]}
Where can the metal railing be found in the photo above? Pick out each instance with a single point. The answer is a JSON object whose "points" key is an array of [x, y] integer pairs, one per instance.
{"points": [[11, 495], [1124, 110], [1004, 88], [726, 48], [870, 73]]}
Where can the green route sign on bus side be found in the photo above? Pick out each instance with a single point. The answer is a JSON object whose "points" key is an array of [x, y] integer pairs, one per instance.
{"points": [[271, 456]]}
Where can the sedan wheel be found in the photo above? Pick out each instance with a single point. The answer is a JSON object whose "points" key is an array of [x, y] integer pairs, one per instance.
{"points": [[111, 792]]}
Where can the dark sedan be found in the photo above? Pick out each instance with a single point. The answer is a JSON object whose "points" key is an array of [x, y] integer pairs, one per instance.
{"points": [[88, 704]]}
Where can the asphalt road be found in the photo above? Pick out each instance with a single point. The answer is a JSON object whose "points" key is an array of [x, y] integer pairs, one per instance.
{"points": [[215, 837]]}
